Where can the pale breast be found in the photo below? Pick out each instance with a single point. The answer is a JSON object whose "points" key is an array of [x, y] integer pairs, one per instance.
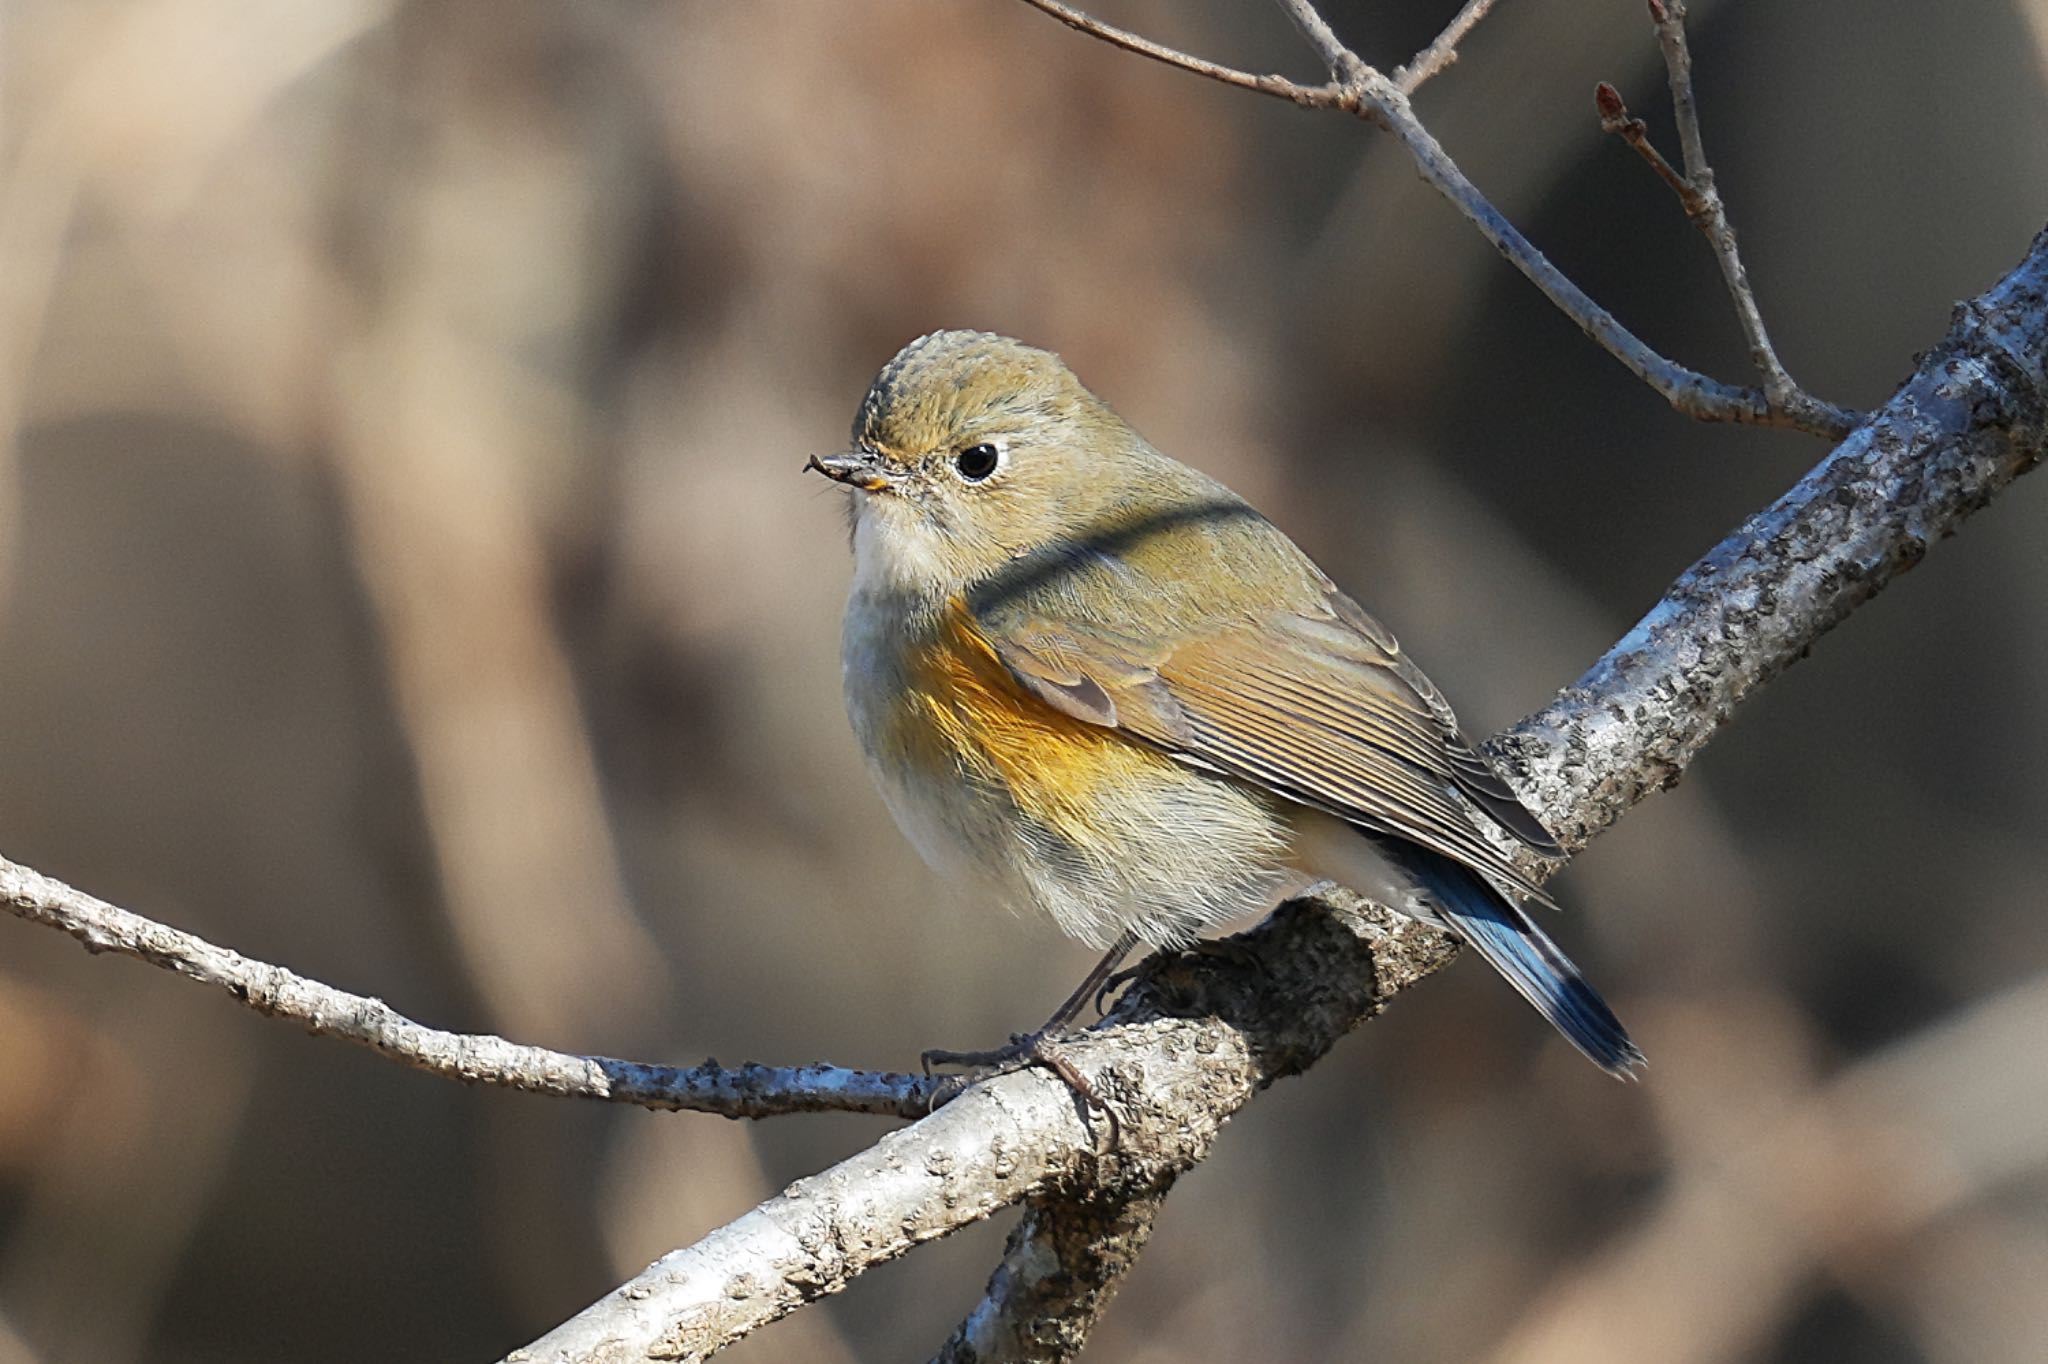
{"points": [[926, 789]]}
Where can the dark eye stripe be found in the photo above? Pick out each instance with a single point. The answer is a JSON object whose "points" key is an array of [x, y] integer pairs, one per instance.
{"points": [[977, 462]]}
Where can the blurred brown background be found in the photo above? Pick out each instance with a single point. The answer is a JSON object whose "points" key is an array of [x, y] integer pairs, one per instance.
{"points": [[406, 575]]}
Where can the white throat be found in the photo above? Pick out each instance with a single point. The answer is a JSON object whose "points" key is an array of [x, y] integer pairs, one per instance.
{"points": [[891, 557]]}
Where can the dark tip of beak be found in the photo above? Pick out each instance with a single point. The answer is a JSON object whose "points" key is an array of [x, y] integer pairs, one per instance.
{"points": [[857, 468]]}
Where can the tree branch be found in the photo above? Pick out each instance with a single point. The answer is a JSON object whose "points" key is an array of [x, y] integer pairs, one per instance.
{"points": [[1060, 1267], [1346, 66], [1308, 96], [1190, 1043], [750, 1091], [1363, 90], [1971, 419], [1444, 50], [1615, 118]]}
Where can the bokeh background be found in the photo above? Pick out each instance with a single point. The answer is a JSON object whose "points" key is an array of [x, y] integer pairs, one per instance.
{"points": [[406, 575]]}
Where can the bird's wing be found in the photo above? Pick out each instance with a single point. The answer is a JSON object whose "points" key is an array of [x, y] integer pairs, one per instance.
{"points": [[1317, 704]]}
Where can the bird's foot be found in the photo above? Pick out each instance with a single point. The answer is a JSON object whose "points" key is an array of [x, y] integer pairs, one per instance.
{"points": [[1041, 1049]]}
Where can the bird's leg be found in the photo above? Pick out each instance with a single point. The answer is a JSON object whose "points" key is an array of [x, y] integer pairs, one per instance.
{"points": [[1091, 985], [1038, 1048], [1053, 1028]]}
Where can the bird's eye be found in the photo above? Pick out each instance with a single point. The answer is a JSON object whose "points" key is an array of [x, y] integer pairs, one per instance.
{"points": [[977, 462]]}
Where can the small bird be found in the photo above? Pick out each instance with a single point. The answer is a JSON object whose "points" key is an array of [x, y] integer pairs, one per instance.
{"points": [[1093, 681]]}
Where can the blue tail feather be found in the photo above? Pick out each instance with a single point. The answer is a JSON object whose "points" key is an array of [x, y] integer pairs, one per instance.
{"points": [[1500, 932]]}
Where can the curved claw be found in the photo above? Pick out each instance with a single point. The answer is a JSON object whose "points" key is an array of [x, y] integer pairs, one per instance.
{"points": [[1116, 981]]}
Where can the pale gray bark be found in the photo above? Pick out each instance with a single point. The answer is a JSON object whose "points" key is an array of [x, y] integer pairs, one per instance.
{"points": [[1191, 1041], [747, 1091], [1970, 420], [1060, 1267]]}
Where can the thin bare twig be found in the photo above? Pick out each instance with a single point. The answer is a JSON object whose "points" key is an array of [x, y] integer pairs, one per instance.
{"points": [[1363, 90], [1669, 21], [1711, 214], [1345, 65], [1444, 50], [749, 1091], [1688, 390], [1702, 202], [1615, 118], [1308, 96]]}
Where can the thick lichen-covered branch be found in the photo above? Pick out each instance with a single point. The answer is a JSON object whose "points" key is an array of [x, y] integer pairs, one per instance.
{"points": [[1190, 1042]]}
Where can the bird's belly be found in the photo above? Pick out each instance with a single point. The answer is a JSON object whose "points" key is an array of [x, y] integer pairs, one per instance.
{"points": [[1042, 810]]}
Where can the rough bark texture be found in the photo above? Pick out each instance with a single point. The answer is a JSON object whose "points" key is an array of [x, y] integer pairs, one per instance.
{"points": [[1059, 1270], [1190, 1042]]}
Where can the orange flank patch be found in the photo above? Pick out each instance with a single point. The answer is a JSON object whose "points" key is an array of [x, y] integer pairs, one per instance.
{"points": [[965, 712]]}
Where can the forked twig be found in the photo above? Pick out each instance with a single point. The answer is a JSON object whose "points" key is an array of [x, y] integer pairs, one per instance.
{"points": [[1701, 199], [1361, 89], [1615, 118], [1444, 50]]}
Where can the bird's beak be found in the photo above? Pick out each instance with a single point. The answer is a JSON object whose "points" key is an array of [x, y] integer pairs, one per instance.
{"points": [[860, 468]]}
